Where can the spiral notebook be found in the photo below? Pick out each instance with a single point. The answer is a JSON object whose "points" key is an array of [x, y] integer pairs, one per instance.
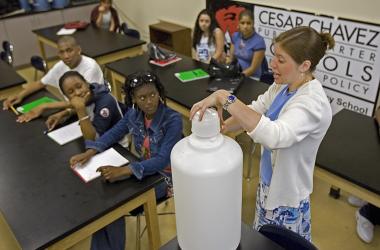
{"points": [[192, 75]]}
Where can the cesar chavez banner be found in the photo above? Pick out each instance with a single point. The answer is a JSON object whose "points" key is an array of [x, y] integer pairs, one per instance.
{"points": [[350, 72]]}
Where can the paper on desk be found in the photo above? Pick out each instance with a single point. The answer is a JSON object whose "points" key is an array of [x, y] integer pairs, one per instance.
{"points": [[64, 31], [109, 157], [66, 134]]}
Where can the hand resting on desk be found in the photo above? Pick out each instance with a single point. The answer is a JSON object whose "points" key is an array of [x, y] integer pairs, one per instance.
{"points": [[32, 114], [10, 101], [82, 158], [113, 174]]}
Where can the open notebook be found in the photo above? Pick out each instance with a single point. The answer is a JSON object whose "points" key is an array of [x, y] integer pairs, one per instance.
{"points": [[66, 133], [111, 157]]}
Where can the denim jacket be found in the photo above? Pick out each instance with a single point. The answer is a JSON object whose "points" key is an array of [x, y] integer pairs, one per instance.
{"points": [[164, 132]]}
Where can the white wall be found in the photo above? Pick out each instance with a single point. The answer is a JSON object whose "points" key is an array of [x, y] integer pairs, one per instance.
{"points": [[140, 13]]}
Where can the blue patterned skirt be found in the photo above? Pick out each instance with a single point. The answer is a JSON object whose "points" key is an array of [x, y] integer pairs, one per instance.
{"points": [[296, 219]]}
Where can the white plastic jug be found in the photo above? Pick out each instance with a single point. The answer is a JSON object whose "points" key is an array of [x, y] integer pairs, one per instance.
{"points": [[207, 179]]}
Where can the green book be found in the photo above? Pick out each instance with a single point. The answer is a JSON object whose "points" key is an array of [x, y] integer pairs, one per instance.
{"points": [[191, 75], [31, 105]]}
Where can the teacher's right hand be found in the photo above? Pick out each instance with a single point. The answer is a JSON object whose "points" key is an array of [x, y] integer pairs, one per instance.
{"points": [[213, 100]]}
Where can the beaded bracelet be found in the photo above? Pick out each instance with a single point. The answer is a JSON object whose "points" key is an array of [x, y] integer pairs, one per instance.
{"points": [[84, 118]]}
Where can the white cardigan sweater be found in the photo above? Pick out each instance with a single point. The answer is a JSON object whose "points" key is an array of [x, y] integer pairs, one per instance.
{"points": [[294, 139]]}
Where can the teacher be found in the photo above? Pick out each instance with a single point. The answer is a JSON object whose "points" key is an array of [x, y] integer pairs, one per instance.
{"points": [[289, 120]]}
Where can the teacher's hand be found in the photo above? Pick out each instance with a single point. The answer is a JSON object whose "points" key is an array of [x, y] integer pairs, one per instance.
{"points": [[213, 100]]}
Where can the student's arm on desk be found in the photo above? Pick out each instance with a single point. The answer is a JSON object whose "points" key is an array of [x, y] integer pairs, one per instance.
{"points": [[57, 118], [37, 111], [83, 157], [29, 89]]}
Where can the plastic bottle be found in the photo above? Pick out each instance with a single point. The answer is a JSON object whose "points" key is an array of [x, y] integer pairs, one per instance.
{"points": [[207, 179]]}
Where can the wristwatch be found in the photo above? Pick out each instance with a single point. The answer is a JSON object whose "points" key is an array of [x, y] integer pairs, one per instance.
{"points": [[230, 99]]}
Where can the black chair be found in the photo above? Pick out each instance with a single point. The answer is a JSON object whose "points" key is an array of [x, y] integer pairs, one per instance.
{"points": [[129, 32], [286, 238], [267, 74], [38, 64], [6, 57], [8, 47]]}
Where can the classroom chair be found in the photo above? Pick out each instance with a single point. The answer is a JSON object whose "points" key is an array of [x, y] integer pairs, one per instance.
{"points": [[8, 47], [129, 32], [6, 57], [38, 64], [286, 238]]}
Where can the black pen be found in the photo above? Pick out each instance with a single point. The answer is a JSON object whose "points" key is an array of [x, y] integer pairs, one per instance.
{"points": [[46, 131]]}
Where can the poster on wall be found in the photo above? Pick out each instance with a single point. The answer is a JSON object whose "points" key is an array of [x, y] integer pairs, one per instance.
{"points": [[350, 73]]}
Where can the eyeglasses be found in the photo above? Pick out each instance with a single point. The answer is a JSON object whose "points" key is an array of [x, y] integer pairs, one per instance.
{"points": [[138, 79]]}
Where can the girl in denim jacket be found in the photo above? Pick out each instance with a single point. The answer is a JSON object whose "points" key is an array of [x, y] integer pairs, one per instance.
{"points": [[155, 129]]}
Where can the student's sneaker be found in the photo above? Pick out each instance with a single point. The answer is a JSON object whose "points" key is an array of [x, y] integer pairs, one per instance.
{"points": [[364, 228], [355, 201]]}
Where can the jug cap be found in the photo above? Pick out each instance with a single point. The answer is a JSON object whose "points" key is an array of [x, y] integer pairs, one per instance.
{"points": [[209, 126]]}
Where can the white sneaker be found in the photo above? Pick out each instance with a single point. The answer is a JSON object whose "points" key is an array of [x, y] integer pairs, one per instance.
{"points": [[364, 228], [355, 201]]}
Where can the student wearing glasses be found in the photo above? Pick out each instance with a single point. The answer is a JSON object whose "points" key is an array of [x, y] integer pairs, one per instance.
{"points": [[155, 129], [96, 108]]}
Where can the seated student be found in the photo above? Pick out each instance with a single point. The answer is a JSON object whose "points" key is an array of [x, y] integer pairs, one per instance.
{"points": [[155, 129], [96, 108], [104, 16], [208, 38], [248, 46], [71, 59], [368, 216]]}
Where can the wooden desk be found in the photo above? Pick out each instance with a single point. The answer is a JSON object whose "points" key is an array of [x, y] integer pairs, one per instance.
{"points": [[250, 239], [46, 205], [102, 45], [9, 80], [349, 156]]}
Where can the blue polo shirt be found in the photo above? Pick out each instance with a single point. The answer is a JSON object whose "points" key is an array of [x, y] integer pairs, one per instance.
{"points": [[244, 50]]}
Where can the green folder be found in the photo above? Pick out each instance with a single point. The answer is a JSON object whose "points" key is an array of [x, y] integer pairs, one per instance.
{"points": [[191, 75], [31, 105]]}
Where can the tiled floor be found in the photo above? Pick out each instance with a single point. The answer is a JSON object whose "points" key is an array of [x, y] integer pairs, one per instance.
{"points": [[333, 221]]}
